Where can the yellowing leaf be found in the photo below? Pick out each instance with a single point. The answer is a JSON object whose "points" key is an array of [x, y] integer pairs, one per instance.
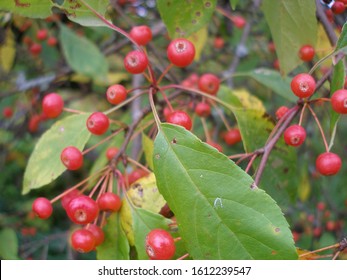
{"points": [[7, 51], [304, 189], [199, 39], [249, 101], [323, 47], [143, 194], [148, 147]]}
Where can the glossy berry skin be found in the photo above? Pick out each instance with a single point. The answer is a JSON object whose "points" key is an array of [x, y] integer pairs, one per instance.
{"points": [[98, 123], [141, 34], [338, 8], [83, 240], [82, 210], [303, 85], [328, 164], [160, 245], [116, 94], [180, 118], [232, 136], [109, 202], [52, 105], [111, 152], [136, 62], [294, 135], [65, 200], [72, 158], [281, 111], [41, 34], [42, 207], [181, 52], [203, 109], [339, 101], [97, 232], [209, 83], [35, 49], [306, 53]]}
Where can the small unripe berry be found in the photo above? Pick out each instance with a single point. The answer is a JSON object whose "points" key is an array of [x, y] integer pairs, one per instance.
{"points": [[303, 85], [42, 207], [98, 123], [181, 52], [72, 158], [52, 105], [136, 62]]}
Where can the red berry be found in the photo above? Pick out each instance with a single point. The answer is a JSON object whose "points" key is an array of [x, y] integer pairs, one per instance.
{"points": [[317, 232], [65, 200], [321, 206], [328, 164], [306, 53], [109, 202], [330, 225], [111, 152], [181, 52], [136, 62], [239, 21], [52, 105], [330, 15], [160, 245], [41, 34], [339, 101], [209, 83], [97, 232], [98, 123], [42, 207], [271, 47], [338, 8], [166, 112], [294, 135], [116, 94], [7, 112], [35, 49], [180, 118], [203, 109], [141, 34], [52, 41], [215, 145], [83, 240], [232, 136], [281, 111], [218, 42], [136, 174], [276, 64], [82, 210], [303, 85], [34, 123], [72, 158]]}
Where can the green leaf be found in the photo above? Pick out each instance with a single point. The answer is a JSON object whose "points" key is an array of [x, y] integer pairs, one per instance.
{"points": [[115, 246], [143, 222], [78, 12], [337, 82], [87, 60], [28, 8], [292, 24], [8, 244], [255, 127], [44, 164], [273, 80], [342, 42], [182, 18], [220, 216], [148, 147], [233, 4]]}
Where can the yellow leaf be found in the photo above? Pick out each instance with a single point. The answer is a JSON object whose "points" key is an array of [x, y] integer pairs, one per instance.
{"points": [[7, 51], [249, 101], [199, 39], [143, 194], [323, 47], [304, 189]]}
